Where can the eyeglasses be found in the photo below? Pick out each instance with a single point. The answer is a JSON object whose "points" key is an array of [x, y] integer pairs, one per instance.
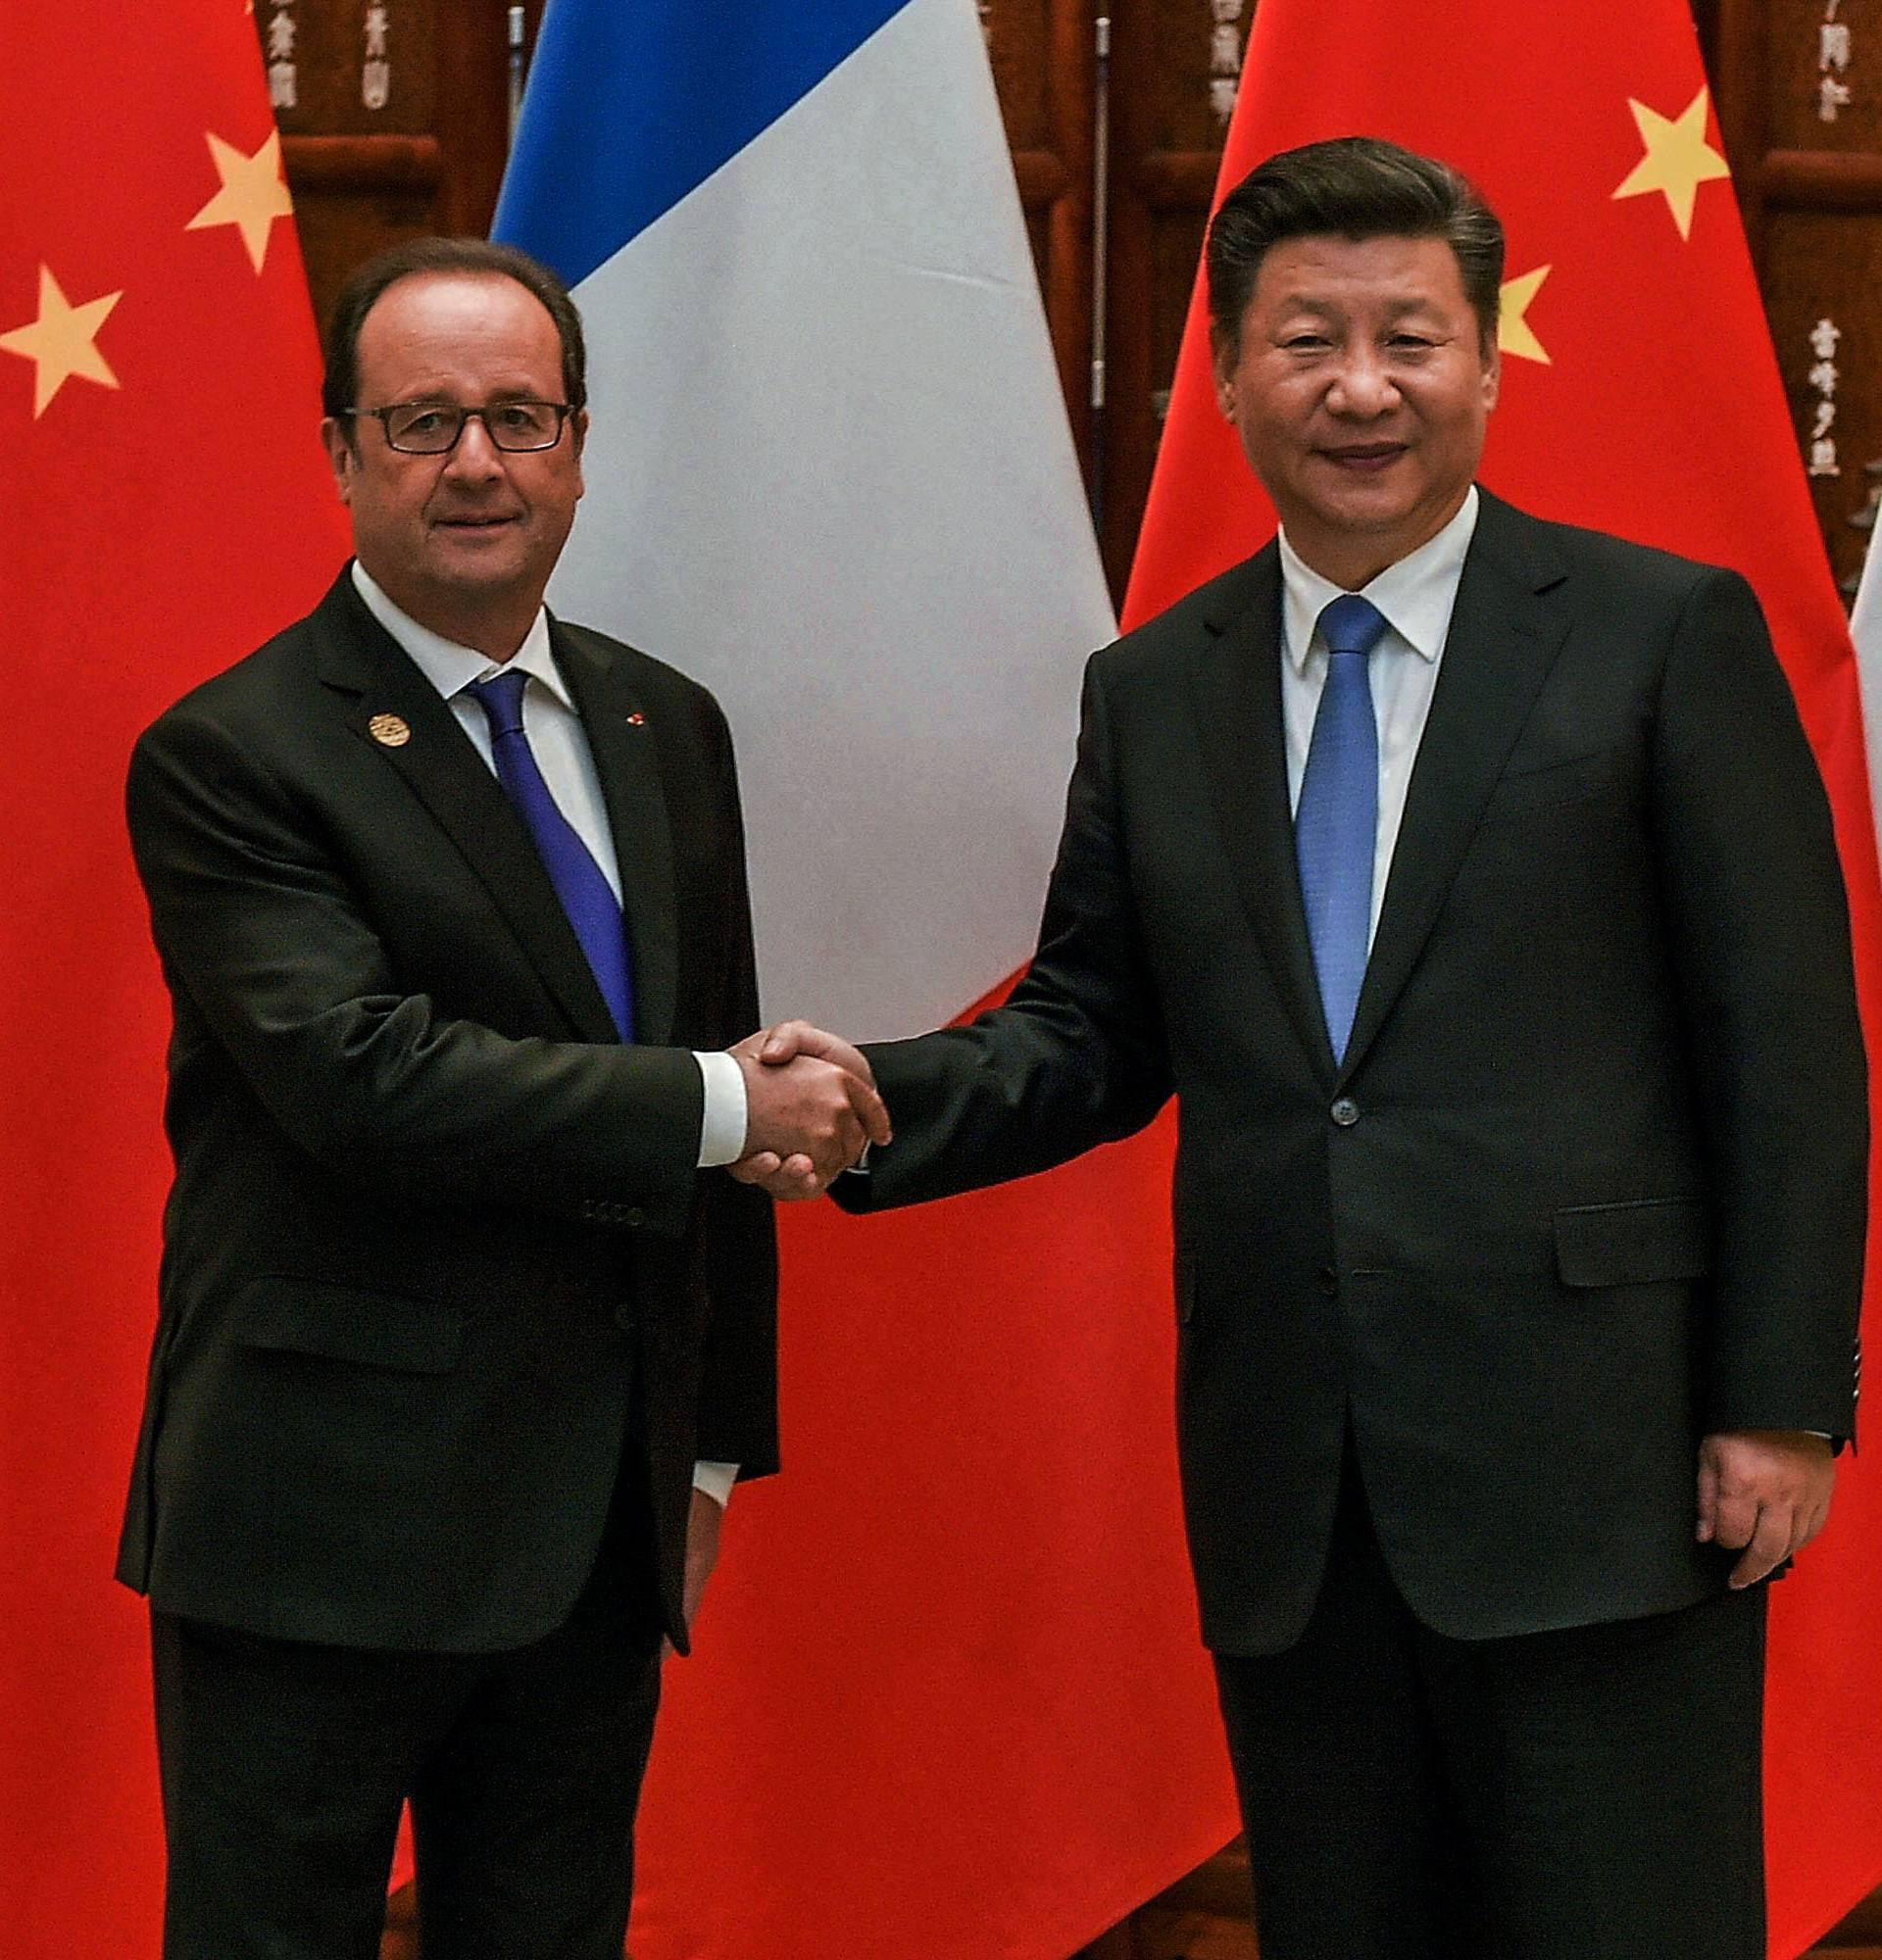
{"points": [[432, 428]]}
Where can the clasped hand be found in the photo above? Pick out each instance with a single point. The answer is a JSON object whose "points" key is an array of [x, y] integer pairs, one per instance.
{"points": [[811, 1108]]}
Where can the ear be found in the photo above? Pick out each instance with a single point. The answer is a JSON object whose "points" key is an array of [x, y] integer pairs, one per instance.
{"points": [[578, 435], [1492, 377], [1223, 353], [336, 437]]}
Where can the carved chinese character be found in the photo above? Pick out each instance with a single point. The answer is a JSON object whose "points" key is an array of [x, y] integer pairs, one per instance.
{"points": [[1823, 338], [1825, 415], [1833, 46], [281, 37], [1225, 51], [375, 83], [1227, 11], [281, 80], [1222, 95], [1831, 95], [1823, 460], [376, 26], [1823, 378]]}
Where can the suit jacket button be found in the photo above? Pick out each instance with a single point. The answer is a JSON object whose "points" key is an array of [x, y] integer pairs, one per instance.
{"points": [[1329, 1282], [633, 1215], [1346, 1112], [624, 1317]]}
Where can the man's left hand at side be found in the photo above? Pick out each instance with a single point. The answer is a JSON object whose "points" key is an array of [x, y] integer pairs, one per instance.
{"points": [[1765, 1491], [703, 1524]]}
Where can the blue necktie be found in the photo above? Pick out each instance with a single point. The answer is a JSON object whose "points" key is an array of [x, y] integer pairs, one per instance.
{"points": [[1337, 819], [583, 890]]}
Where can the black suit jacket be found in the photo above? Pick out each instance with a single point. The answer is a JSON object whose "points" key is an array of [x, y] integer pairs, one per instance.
{"points": [[1590, 1180], [437, 1247]]}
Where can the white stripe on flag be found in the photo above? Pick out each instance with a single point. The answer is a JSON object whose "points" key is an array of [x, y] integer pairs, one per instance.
{"points": [[829, 474]]}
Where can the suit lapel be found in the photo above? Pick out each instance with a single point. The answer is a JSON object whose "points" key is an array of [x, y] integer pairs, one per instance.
{"points": [[1236, 696], [625, 745], [464, 796], [1504, 637]]}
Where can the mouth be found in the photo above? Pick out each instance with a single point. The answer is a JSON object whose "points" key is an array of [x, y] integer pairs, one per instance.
{"points": [[473, 523], [1365, 459]]}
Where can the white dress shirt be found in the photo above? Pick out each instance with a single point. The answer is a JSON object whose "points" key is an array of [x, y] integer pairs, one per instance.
{"points": [[1417, 597], [553, 729]]}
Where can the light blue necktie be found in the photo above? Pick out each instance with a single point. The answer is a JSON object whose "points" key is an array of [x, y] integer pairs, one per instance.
{"points": [[1336, 823], [581, 884]]}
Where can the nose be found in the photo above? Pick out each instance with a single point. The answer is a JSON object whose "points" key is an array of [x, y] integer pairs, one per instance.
{"points": [[1363, 385], [474, 456]]}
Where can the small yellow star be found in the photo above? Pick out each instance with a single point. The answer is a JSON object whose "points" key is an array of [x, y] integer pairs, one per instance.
{"points": [[252, 197], [60, 342], [1514, 334], [1678, 159]]}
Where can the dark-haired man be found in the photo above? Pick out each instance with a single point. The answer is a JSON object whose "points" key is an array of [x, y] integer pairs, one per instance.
{"points": [[1469, 882], [464, 1337]]}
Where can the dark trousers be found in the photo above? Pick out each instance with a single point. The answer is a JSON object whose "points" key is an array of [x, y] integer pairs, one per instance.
{"points": [[1585, 1794], [284, 1766]]}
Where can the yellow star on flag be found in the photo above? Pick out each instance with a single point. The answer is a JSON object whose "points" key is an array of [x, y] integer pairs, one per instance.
{"points": [[1514, 334], [1678, 159], [61, 342], [252, 197]]}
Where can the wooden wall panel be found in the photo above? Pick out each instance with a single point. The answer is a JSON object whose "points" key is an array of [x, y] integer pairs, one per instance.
{"points": [[1173, 76], [1823, 74], [1044, 69], [394, 121], [1827, 267]]}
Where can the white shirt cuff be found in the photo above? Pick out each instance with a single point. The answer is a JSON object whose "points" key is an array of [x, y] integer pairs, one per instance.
{"points": [[721, 1128], [716, 1480]]}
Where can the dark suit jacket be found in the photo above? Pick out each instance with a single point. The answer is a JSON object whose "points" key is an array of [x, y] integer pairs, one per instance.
{"points": [[438, 1245], [1590, 1181]]}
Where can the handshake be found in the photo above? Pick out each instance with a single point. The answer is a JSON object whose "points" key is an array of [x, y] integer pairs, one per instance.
{"points": [[810, 1109]]}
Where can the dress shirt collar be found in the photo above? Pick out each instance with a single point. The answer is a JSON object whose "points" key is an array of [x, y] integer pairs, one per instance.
{"points": [[450, 668], [1416, 595]]}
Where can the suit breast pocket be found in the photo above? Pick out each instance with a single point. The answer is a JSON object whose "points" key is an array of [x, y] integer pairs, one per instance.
{"points": [[1553, 786]]}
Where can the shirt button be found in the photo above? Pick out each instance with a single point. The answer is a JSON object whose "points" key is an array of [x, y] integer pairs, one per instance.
{"points": [[1345, 1112]]}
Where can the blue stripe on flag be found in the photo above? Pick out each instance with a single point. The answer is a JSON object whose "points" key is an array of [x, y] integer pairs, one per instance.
{"points": [[632, 104]]}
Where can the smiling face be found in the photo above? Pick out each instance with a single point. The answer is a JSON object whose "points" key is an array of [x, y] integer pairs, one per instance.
{"points": [[1360, 388], [465, 542]]}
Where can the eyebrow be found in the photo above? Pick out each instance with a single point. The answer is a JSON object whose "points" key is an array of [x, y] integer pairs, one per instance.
{"points": [[1306, 303]]}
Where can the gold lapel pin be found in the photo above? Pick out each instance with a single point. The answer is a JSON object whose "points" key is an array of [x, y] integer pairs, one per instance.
{"points": [[393, 730]]}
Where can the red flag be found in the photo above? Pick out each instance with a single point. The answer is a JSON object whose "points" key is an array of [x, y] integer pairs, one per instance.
{"points": [[1640, 396], [165, 511], [948, 1700]]}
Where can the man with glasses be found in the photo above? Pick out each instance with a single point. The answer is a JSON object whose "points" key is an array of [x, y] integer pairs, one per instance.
{"points": [[464, 1333]]}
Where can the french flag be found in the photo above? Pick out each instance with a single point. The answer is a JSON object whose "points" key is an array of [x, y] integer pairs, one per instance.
{"points": [[829, 472], [948, 1702]]}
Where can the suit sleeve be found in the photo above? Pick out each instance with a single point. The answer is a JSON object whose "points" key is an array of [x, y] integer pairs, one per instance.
{"points": [[1075, 1058], [738, 1383], [1760, 939], [259, 931]]}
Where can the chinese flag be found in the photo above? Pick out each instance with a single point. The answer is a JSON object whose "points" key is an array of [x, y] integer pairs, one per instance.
{"points": [[164, 511], [1640, 396]]}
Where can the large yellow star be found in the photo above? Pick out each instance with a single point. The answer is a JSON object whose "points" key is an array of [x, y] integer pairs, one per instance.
{"points": [[1514, 334], [253, 194], [59, 343], [1678, 159]]}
